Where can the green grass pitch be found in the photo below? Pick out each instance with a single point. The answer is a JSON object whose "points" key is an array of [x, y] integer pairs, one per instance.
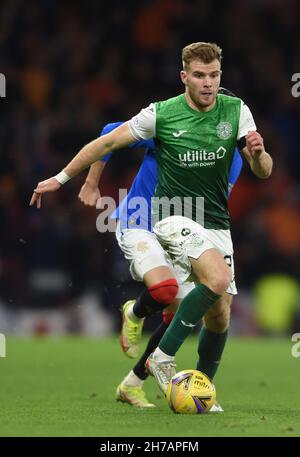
{"points": [[66, 387]]}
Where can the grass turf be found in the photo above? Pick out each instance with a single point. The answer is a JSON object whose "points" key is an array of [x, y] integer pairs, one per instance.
{"points": [[66, 387]]}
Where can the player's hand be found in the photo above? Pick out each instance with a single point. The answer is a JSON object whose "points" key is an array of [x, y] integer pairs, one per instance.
{"points": [[89, 195], [255, 144], [50, 185]]}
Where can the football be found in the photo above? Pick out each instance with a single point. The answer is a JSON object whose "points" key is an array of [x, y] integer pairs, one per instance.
{"points": [[191, 392]]}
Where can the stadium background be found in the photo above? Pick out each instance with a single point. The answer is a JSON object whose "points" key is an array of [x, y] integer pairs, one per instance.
{"points": [[72, 68]]}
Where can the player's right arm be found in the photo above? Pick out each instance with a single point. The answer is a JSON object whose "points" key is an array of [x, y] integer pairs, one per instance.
{"points": [[89, 193], [116, 139], [89, 154], [140, 127]]}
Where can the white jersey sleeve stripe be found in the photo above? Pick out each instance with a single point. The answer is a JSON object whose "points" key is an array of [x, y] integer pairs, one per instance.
{"points": [[246, 122], [143, 125]]}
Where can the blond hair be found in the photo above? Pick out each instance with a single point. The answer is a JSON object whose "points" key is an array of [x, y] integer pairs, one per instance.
{"points": [[206, 52]]}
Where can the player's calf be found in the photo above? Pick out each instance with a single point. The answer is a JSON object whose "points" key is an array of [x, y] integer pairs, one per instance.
{"points": [[218, 322], [217, 319]]}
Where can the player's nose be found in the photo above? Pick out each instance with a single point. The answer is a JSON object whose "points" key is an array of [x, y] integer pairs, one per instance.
{"points": [[207, 81]]}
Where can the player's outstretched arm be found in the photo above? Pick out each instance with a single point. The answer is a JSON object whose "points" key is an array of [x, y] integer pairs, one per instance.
{"points": [[89, 154], [260, 161]]}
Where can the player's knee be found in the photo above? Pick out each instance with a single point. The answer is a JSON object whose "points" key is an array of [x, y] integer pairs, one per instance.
{"points": [[164, 292], [167, 317], [220, 282]]}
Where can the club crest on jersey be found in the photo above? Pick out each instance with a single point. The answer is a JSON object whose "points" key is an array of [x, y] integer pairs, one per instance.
{"points": [[224, 130]]}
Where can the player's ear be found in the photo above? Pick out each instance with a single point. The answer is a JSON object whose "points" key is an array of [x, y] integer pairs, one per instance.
{"points": [[183, 76]]}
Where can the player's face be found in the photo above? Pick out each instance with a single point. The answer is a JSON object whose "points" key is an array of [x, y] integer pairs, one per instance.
{"points": [[202, 81]]}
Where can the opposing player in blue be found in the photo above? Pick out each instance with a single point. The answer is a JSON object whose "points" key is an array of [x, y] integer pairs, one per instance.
{"points": [[149, 263]]}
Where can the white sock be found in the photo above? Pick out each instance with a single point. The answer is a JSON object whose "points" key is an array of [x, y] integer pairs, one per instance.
{"points": [[132, 380], [132, 316], [161, 356]]}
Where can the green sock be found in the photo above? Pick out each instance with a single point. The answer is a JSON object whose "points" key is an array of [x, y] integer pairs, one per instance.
{"points": [[210, 350], [190, 312]]}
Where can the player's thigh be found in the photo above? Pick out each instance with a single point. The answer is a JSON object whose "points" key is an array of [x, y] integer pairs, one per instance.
{"points": [[211, 270], [157, 275], [223, 243], [148, 261], [192, 251]]}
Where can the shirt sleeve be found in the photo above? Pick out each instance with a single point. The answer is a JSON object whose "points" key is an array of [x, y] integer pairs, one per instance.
{"points": [[246, 122], [143, 125]]}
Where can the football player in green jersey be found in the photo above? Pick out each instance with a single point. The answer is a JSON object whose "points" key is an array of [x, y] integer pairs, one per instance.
{"points": [[195, 135]]}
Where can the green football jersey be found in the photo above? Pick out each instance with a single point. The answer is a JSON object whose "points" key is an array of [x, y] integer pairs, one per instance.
{"points": [[194, 152]]}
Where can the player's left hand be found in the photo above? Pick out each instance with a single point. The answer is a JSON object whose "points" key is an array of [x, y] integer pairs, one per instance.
{"points": [[255, 144], [50, 185]]}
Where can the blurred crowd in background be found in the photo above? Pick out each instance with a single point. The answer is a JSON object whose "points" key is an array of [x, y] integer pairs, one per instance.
{"points": [[72, 67]]}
